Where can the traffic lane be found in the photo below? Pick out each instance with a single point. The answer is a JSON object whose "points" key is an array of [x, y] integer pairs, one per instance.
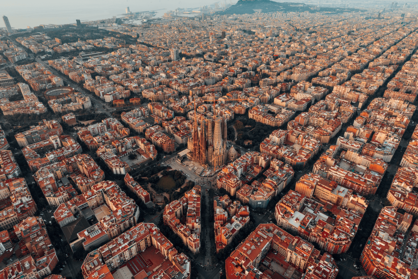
{"points": [[71, 268], [347, 270], [263, 218], [47, 215], [208, 273], [153, 218]]}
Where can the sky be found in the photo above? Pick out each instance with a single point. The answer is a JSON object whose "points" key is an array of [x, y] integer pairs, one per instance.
{"points": [[23, 13]]}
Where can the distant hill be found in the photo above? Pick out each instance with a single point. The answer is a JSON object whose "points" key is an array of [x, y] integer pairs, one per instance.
{"points": [[267, 6]]}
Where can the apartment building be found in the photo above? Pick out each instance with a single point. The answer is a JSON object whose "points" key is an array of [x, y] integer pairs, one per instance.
{"points": [[135, 119], [271, 115], [381, 127], [37, 257], [29, 105], [307, 88], [269, 245], [142, 246], [259, 193], [76, 72], [5, 79], [69, 119], [65, 99], [381, 256], [402, 193], [294, 101], [179, 128], [183, 216], [17, 202], [105, 89], [51, 150], [321, 221], [6, 243], [323, 121], [409, 158], [312, 185], [43, 131], [9, 91], [360, 173], [12, 52], [113, 209], [230, 217], [39, 77], [96, 135], [237, 178], [118, 154], [54, 179], [9, 168], [402, 86], [137, 189], [341, 94], [159, 93], [157, 136], [4, 144], [293, 147]]}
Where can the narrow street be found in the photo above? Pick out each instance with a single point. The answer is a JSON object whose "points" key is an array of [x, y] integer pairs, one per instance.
{"points": [[208, 225], [266, 57]]}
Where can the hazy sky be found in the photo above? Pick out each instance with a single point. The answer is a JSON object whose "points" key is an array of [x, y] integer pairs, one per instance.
{"points": [[22, 13]]}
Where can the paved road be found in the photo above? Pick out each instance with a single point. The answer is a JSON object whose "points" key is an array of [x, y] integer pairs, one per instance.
{"points": [[209, 273], [153, 218], [205, 182], [262, 218], [71, 266], [208, 225], [347, 268], [99, 104]]}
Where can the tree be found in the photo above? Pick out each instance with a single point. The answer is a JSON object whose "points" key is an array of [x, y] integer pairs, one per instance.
{"points": [[223, 192], [132, 156], [80, 254], [194, 271], [161, 222], [203, 204], [42, 202], [141, 216], [238, 125]]}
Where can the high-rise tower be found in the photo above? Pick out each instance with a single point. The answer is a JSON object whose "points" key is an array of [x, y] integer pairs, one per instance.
{"points": [[224, 129], [7, 23], [208, 142], [202, 143], [209, 147], [174, 54], [210, 132], [217, 135], [219, 155], [196, 142]]}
